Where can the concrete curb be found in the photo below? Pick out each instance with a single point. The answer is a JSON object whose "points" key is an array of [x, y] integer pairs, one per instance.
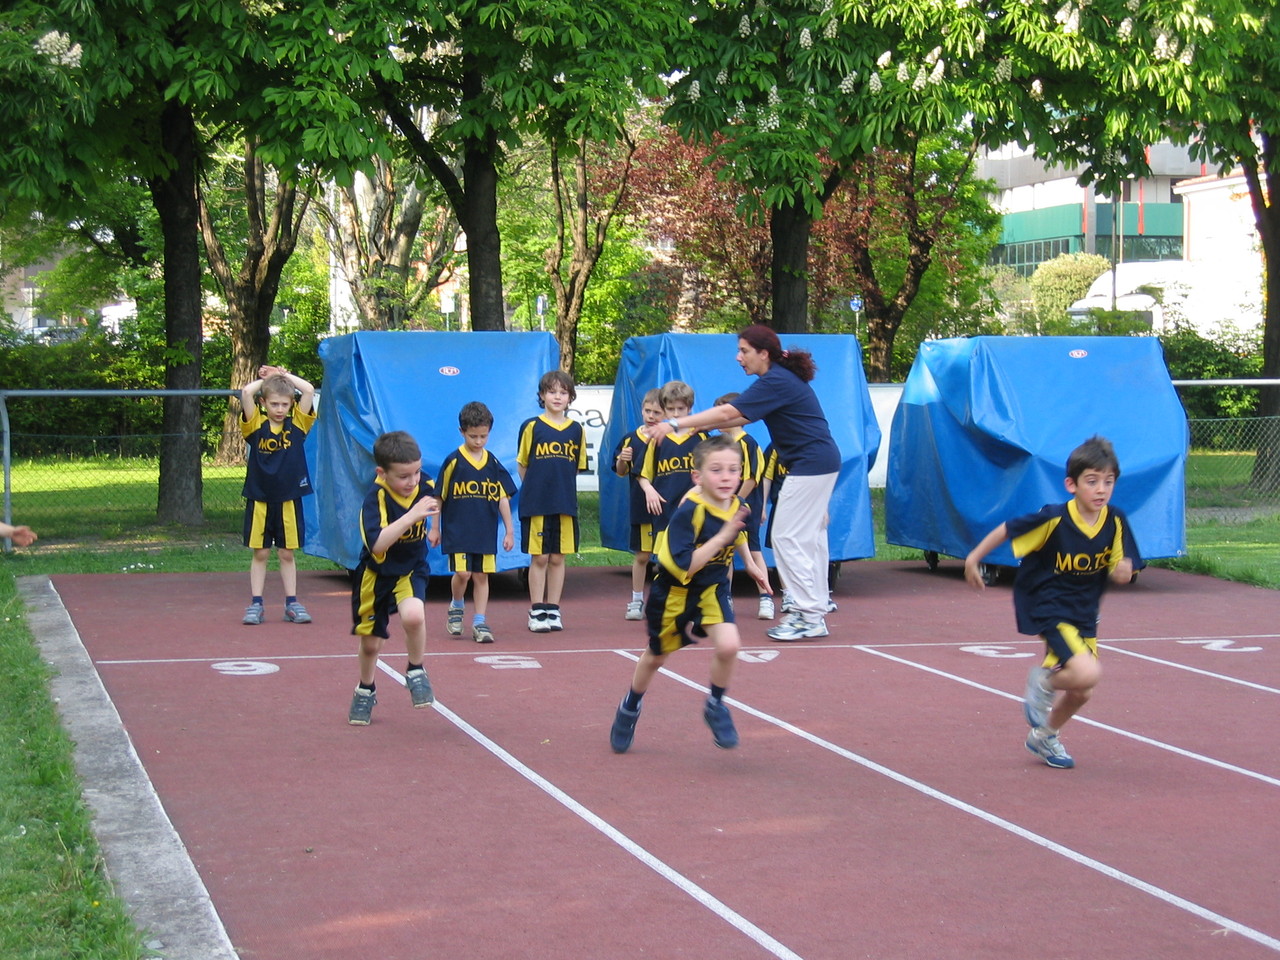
{"points": [[145, 857]]}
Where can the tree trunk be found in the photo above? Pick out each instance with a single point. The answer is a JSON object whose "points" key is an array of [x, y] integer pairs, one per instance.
{"points": [[1265, 198], [484, 244], [789, 228], [174, 195], [250, 291]]}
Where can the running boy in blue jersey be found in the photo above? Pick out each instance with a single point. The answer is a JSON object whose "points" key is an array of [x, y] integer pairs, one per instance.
{"points": [[628, 458], [275, 482], [475, 493], [691, 596], [392, 573], [552, 452], [1069, 552]]}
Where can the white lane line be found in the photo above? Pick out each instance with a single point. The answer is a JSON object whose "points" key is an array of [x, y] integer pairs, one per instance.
{"points": [[718, 907], [1223, 922], [1189, 669], [1159, 744]]}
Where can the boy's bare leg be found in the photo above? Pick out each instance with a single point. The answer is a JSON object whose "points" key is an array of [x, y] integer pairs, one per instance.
{"points": [[727, 644], [413, 618], [538, 577], [555, 578], [480, 592], [258, 571], [458, 586], [639, 572], [1076, 679], [647, 668], [370, 647], [288, 572]]}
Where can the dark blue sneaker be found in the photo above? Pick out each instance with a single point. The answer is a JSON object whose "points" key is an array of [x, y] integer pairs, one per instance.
{"points": [[361, 707], [722, 729], [624, 728], [1046, 746], [419, 688]]}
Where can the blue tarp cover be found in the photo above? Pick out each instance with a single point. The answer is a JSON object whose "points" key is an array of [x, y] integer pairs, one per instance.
{"points": [[985, 425], [414, 381], [706, 361]]}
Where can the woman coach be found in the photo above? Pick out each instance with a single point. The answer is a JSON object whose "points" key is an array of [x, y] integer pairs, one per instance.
{"points": [[784, 400]]}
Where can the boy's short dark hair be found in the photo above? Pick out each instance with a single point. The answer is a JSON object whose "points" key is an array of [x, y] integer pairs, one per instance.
{"points": [[474, 414], [726, 398], [712, 445], [395, 447], [677, 391], [277, 386], [1096, 453], [556, 378]]}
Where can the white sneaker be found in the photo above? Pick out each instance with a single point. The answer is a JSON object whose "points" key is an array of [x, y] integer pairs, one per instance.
{"points": [[766, 608], [635, 610], [553, 619], [797, 627], [538, 622]]}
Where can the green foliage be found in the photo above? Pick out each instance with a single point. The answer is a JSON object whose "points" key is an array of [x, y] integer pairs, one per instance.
{"points": [[1231, 355], [1060, 282]]}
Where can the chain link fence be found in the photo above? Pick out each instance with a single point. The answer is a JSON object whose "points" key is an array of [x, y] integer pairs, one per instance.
{"points": [[102, 489]]}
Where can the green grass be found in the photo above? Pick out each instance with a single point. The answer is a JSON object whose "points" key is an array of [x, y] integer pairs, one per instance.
{"points": [[55, 901]]}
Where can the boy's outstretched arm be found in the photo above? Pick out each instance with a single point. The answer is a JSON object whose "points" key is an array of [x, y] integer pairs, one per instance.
{"points": [[973, 562]]}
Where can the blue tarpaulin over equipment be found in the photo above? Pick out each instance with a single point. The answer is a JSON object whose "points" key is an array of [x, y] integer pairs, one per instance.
{"points": [[985, 425], [375, 382], [706, 361]]}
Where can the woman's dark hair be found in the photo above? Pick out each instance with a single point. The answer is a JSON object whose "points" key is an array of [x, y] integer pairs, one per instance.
{"points": [[799, 362]]}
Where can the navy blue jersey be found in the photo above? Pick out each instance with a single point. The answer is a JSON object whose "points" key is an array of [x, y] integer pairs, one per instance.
{"points": [[470, 493], [381, 508], [694, 523], [277, 465], [1065, 564], [552, 456], [752, 469], [637, 512], [797, 426], [668, 465]]}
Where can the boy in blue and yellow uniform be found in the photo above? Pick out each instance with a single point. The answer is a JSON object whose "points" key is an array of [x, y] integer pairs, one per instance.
{"points": [[628, 458], [275, 481], [752, 494], [551, 453], [666, 474], [475, 492], [1069, 552], [690, 596], [392, 574]]}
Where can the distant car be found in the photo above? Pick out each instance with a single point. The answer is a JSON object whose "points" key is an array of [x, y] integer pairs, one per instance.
{"points": [[1166, 292]]}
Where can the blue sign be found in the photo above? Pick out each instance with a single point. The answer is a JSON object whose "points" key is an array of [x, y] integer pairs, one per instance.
{"points": [[855, 304]]}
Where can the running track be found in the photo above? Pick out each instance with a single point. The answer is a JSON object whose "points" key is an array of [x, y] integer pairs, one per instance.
{"points": [[881, 804]]}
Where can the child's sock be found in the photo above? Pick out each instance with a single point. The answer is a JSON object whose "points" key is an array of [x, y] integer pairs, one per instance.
{"points": [[367, 688], [256, 600], [632, 703], [456, 604], [478, 619], [717, 693], [637, 595], [289, 600], [412, 667]]}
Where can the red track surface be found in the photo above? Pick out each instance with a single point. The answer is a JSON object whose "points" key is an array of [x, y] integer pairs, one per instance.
{"points": [[881, 804]]}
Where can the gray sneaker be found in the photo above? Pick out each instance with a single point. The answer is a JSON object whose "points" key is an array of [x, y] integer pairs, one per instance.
{"points": [[1046, 746], [481, 633], [623, 730], [718, 719], [419, 688], [635, 610], [253, 614], [1037, 701], [296, 613], [361, 707], [796, 627], [453, 622]]}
